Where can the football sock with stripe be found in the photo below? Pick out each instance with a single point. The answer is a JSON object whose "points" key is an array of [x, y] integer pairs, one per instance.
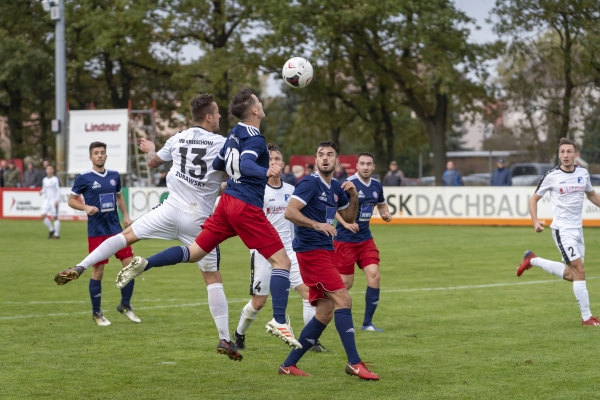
{"points": [[96, 294], [308, 311], [56, 228], [552, 267], [48, 224], [308, 337], [219, 309], [107, 249], [280, 290], [581, 294], [248, 316], [170, 256], [127, 292], [371, 300], [345, 328]]}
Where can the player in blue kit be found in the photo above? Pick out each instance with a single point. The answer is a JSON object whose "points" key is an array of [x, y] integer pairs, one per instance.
{"points": [[314, 204], [245, 158], [101, 190], [354, 243]]}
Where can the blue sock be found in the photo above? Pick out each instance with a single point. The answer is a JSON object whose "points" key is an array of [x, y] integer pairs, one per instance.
{"points": [[127, 292], [96, 294], [170, 256], [280, 291], [309, 335], [345, 328], [371, 300]]}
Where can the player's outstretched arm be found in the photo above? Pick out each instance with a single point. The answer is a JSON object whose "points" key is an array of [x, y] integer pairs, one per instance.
{"points": [[537, 225], [593, 197], [293, 214], [384, 212], [149, 148]]}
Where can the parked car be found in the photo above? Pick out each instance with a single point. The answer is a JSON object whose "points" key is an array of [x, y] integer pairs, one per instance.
{"points": [[595, 181], [477, 179], [528, 174]]}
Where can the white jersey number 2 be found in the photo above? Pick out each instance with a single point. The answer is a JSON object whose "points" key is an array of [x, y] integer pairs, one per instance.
{"points": [[232, 163]]}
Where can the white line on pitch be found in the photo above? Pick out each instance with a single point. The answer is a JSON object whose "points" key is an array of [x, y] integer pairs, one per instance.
{"points": [[82, 301]]}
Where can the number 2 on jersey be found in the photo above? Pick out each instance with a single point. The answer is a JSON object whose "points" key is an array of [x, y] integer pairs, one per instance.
{"points": [[197, 161], [232, 163]]}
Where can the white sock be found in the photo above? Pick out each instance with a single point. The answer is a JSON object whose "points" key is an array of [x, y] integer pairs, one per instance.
{"points": [[247, 318], [581, 294], [217, 303], [308, 311], [107, 249], [553, 267], [56, 228], [48, 223]]}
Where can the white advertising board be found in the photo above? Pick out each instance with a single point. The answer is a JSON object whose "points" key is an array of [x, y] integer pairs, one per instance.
{"points": [[106, 126], [142, 200], [28, 204]]}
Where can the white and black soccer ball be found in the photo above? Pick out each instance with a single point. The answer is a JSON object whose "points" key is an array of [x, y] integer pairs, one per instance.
{"points": [[297, 72]]}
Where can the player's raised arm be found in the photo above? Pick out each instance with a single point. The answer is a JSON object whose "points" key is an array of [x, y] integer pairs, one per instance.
{"points": [[152, 159]]}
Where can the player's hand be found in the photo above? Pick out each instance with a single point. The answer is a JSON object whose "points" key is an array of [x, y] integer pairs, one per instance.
{"points": [[91, 210], [538, 226], [387, 217], [352, 227], [127, 221], [146, 145], [350, 188], [327, 229], [274, 171]]}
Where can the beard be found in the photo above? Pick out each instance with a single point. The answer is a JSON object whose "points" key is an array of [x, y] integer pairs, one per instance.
{"points": [[326, 171]]}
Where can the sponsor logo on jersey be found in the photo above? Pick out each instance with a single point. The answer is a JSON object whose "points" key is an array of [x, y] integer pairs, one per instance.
{"points": [[323, 196], [571, 189], [361, 195], [96, 185], [276, 210], [196, 141], [113, 182]]}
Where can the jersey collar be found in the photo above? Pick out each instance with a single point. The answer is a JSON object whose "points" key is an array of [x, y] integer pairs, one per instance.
{"points": [[276, 187], [99, 174], [199, 127], [363, 182], [567, 172], [322, 180]]}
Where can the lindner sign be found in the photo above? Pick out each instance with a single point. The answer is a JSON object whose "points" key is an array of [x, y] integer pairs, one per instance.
{"points": [[107, 126]]}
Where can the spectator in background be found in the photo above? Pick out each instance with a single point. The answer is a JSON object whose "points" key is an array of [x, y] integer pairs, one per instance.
{"points": [[501, 175], [340, 173], [394, 176], [288, 176], [31, 177], [309, 169], [451, 176], [12, 176], [162, 181], [3, 168]]}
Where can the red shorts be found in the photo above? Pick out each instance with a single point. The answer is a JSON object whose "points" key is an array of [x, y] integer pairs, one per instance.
{"points": [[94, 242], [320, 273], [234, 217], [361, 253]]}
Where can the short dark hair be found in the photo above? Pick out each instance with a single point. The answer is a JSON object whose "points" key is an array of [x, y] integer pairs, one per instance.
{"points": [[271, 147], [564, 141], [241, 103], [201, 105], [96, 145], [333, 145], [366, 154], [310, 166]]}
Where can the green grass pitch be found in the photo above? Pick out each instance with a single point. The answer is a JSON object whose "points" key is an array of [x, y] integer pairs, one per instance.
{"points": [[458, 324]]}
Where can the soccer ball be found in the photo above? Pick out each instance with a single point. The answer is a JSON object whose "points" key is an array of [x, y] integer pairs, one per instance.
{"points": [[297, 72]]}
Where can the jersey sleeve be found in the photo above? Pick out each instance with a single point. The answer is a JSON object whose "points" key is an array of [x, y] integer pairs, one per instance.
{"points": [[544, 186], [343, 201], [381, 198], [79, 186], [588, 183], [118, 187], [305, 190], [252, 148], [255, 145], [165, 153]]}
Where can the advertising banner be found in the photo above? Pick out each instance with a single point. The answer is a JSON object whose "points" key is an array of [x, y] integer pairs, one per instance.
{"points": [[471, 206], [27, 204], [106, 126], [142, 200]]}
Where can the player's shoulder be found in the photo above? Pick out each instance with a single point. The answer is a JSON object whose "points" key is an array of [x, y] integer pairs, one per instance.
{"points": [[244, 131], [581, 170], [554, 172], [287, 187], [352, 178], [112, 172]]}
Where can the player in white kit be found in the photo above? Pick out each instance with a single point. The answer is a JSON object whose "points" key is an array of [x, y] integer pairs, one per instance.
{"points": [[277, 196], [567, 184], [51, 191], [193, 188]]}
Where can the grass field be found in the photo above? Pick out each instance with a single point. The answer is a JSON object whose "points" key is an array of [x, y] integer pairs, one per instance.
{"points": [[458, 324]]}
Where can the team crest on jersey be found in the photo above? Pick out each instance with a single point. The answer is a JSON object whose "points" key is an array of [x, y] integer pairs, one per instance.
{"points": [[335, 197], [580, 179], [375, 194], [113, 182], [287, 198], [361, 195]]}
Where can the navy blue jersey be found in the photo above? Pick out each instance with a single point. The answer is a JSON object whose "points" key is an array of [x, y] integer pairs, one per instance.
{"points": [[246, 162], [321, 202], [368, 197], [100, 190]]}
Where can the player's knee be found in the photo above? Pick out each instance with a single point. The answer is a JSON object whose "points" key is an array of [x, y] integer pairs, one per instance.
{"points": [[374, 280], [258, 302]]}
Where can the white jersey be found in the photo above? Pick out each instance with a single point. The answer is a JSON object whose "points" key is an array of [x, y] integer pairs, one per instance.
{"points": [[51, 189], [192, 181], [276, 201], [567, 195]]}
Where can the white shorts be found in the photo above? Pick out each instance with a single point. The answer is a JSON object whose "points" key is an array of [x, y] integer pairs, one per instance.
{"points": [[570, 243], [170, 221], [48, 208], [260, 273]]}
